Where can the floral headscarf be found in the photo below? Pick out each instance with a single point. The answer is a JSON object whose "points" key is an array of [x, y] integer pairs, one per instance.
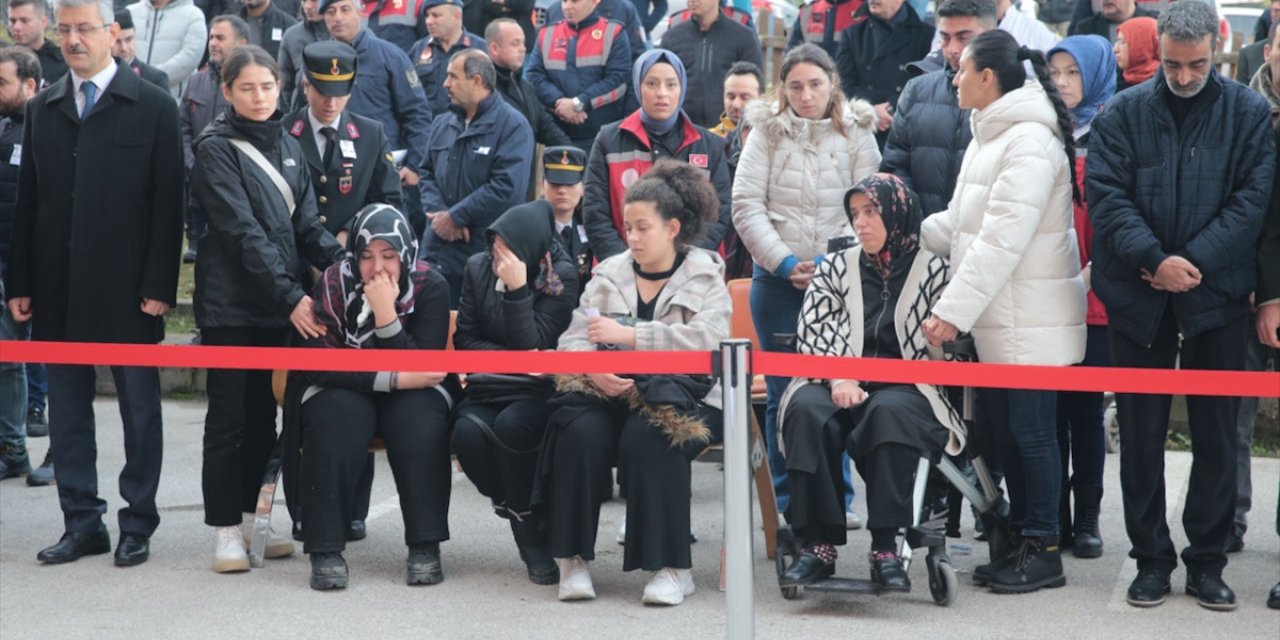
{"points": [[900, 212]]}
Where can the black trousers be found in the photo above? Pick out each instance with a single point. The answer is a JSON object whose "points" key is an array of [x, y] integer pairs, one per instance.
{"points": [[239, 427], [588, 443], [75, 449], [497, 446], [337, 427], [1144, 425]]}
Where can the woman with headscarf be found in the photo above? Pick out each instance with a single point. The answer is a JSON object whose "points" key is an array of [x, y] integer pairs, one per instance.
{"points": [[865, 301], [1137, 51], [626, 150], [662, 294], [516, 296], [1083, 69], [380, 297]]}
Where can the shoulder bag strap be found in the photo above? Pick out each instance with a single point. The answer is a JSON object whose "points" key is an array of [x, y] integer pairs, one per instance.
{"points": [[262, 162]]}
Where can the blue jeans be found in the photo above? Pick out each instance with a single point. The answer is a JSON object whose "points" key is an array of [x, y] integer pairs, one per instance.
{"points": [[13, 388], [37, 385], [775, 308], [1024, 426]]}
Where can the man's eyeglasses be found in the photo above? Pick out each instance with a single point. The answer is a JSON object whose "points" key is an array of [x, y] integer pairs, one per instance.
{"points": [[83, 30]]}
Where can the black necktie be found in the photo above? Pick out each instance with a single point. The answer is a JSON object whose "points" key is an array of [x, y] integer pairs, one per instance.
{"points": [[567, 234], [331, 141]]}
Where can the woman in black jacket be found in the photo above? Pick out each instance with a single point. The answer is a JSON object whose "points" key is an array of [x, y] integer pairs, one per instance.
{"points": [[380, 297], [518, 295], [249, 290]]}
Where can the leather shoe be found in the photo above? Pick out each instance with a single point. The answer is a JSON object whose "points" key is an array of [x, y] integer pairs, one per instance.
{"points": [[807, 569], [132, 550], [328, 571], [1149, 588], [1210, 591], [74, 545], [887, 571], [1273, 600], [356, 531], [423, 565]]}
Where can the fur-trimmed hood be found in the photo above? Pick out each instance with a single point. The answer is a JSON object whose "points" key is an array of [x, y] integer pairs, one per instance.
{"points": [[763, 116]]}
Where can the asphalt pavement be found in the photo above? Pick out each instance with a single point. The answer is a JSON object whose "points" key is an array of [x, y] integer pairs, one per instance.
{"points": [[487, 595]]}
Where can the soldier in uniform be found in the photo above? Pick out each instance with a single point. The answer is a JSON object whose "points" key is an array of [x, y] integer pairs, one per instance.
{"points": [[348, 154], [430, 55], [351, 166], [562, 171]]}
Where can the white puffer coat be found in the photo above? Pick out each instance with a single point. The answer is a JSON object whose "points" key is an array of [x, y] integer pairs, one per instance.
{"points": [[792, 175], [171, 39], [1008, 231]]}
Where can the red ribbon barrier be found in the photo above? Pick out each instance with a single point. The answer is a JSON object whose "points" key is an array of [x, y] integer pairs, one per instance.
{"points": [[1006, 376]]}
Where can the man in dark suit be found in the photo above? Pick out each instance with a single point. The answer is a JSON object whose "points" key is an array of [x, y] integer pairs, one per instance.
{"points": [[348, 154], [1113, 13], [124, 48], [96, 243]]}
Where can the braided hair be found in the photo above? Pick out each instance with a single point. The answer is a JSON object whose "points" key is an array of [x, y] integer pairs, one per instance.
{"points": [[998, 51]]}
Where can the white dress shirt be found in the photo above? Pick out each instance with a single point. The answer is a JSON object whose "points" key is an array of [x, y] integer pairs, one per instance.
{"points": [[102, 80]]}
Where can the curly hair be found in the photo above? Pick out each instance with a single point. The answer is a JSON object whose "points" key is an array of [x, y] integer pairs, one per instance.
{"points": [[679, 192]]}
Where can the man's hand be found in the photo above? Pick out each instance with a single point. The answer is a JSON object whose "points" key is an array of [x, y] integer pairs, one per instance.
{"points": [[938, 331], [610, 385], [565, 111], [884, 116], [802, 274], [20, 309], [408, 177], [1267, 324], [1175, 275], [154, 307], [847, 395], [304, 319], [443, 225]]}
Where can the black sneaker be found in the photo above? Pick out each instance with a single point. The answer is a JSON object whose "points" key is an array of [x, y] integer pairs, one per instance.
{"points": [[328, 571], [13, 462], [1273, 598], [1149, 588], [1210, 591], [1037, 565], [423, 565], [37, 422], [42, 476]]}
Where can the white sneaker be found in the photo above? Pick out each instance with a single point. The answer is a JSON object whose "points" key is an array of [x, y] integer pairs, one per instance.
{"points": [[622, 532], [575, 579], [230, 555], [851, 520], [669, 587], [278, 546]]}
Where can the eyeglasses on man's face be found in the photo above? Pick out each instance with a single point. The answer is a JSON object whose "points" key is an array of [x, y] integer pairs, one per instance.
{"points": [[84, 30]]}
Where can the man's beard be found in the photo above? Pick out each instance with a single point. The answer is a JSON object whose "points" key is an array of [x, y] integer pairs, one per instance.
{"points": [[1191, 92]]}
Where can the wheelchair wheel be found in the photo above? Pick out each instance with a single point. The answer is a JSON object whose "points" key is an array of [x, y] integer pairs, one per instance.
{"points": [[942, 583]]}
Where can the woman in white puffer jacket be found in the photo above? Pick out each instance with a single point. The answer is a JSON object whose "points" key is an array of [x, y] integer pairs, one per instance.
{"points": [[804, 152], [1015, 282]]}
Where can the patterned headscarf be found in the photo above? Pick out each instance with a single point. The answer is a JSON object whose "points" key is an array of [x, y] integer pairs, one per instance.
{"points": [[340, 303], [900, 212]]}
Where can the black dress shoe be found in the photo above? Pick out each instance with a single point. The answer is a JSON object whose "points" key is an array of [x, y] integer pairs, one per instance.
{"points": [[328, 571], [1210, 591], [74, 545], [133, 550], [1149, 588], [423, 565], [356, 531], [807, 569], [887, 571], [1273, 600]]}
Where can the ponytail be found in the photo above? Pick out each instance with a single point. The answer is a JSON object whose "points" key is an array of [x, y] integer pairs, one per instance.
{"points": [[998, 51]]}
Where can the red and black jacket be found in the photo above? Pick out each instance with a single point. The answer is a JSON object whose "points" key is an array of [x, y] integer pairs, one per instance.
{"points": [[821, 22], [622, 153], [590, 61]]}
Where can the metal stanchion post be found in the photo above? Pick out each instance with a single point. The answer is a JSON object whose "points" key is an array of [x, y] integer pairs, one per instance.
{"points": [[735, 380]]}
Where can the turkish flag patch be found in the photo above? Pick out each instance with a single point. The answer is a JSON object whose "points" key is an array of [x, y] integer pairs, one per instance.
{"points": [[698, 160]]}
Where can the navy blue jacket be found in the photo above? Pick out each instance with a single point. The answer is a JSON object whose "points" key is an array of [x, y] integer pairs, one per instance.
{"points": [[10, 135], [929, 136], [1155, 191], [387, 90], [431, 62], [590, 61], [475, 172]]}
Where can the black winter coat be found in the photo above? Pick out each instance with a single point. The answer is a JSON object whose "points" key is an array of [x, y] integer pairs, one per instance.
{"points": [[1269, 242], [270, 32], [707, 57], [99, 214], [10, 135], [252, 260], [521, 320], [519, 93], [927, 142], [873, 56], [1199, 192]]}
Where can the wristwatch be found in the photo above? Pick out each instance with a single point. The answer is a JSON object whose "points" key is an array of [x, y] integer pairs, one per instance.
{"points": [[578, 106]]}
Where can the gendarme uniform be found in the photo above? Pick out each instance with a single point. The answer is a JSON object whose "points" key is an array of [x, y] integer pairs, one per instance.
{"points": [[431, 60], [350, 160], [568, 165]]}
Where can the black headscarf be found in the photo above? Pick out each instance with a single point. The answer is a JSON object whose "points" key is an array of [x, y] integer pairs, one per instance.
{"points": [[899, 210], [532, 238], [341, 306]]}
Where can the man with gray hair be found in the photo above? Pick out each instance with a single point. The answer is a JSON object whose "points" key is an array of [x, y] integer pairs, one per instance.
{"points": [[476, 166], [1178, 179], [97, 233]]}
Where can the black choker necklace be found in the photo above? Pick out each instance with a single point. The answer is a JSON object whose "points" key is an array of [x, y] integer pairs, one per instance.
{"points": [[661, 275]]}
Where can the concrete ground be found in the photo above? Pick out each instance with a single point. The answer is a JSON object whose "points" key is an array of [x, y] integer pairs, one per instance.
{"points": [[486, 593]]}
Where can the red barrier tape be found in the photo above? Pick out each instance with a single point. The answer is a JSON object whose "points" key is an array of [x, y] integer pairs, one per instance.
{"points": [[1156, 381]]}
